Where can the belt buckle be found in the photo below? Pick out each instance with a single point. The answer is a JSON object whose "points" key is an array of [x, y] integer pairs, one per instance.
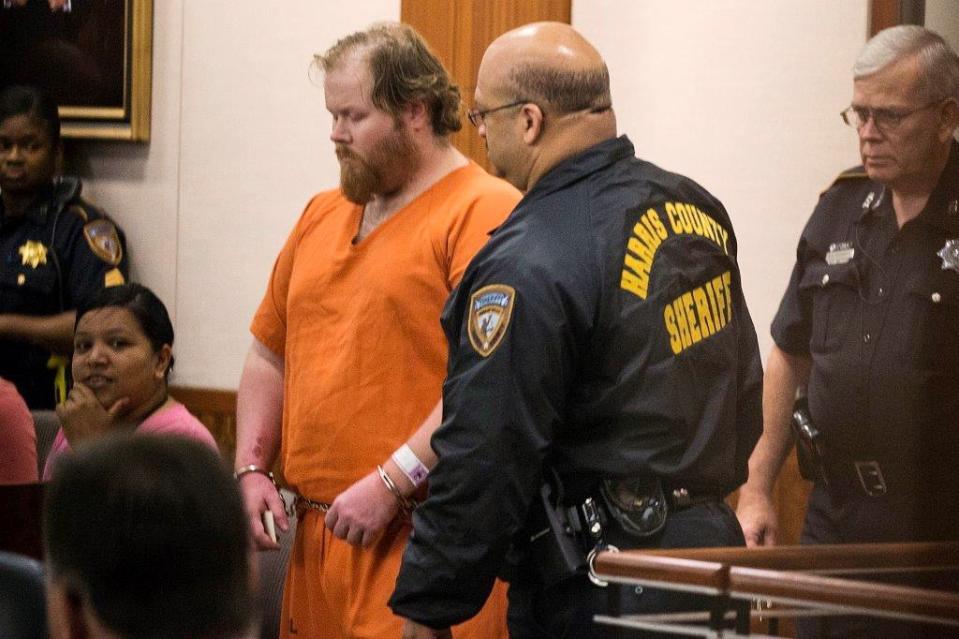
{"points": [[870, 477]]}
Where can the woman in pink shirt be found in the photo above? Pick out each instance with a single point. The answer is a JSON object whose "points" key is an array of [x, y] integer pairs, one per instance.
{"points": [[122, 356]]}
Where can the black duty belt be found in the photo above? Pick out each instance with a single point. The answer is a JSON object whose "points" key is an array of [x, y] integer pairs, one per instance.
{"points": [[641, 506], [872, 478], [565, 534], [679, 497]]}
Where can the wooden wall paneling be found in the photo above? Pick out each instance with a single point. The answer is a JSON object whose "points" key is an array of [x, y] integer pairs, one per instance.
{"points": [[791, 494], [217, 410], [883, 14], [459, 32], [889, 13], [436, 21]]}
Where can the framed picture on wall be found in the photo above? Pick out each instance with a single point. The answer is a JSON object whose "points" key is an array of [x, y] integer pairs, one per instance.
{"points": [[94, 57]]}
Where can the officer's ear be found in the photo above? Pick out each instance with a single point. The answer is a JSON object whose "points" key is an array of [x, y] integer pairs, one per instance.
{"points": [[534, 122], [949, 118]]}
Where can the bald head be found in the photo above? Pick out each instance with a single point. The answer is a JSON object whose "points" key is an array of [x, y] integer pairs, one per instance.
{"points": [[543, 91], [548, 63]]}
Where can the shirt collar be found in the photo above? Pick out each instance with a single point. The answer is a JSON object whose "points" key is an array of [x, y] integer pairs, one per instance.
{"points": [[940, 210], [36, 211], [593, 159], [572, 169], [50, 198]]}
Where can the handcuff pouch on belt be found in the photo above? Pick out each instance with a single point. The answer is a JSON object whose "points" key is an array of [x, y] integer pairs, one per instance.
{"points": [[555, 549], [808, 444], [564, 539], [638, 505]]}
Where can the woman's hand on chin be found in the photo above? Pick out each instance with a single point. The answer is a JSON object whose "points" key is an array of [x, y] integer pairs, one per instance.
{"points": [[82, 417]]}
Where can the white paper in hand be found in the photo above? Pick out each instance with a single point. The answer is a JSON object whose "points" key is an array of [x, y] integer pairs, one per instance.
{"points": [[268, 526]]}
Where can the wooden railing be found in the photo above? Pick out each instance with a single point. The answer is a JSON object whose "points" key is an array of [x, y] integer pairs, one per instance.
{"points": [[784, 575], [216, 409]]}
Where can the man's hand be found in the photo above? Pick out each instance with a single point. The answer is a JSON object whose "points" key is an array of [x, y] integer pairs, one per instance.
{"points": [[757, 516], [360, 512], [413, 630], [82, 417], [260, 495]]}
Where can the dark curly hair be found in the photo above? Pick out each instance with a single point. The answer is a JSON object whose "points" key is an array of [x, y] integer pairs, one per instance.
{"points": [[404, 70]]}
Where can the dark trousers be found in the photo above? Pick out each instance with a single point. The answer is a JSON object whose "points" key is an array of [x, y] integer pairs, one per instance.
{"points": [[566, 610], [850, 517]]}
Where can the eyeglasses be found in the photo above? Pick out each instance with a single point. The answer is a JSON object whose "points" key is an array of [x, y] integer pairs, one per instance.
{"points": [[477, 117], [884, 119]]}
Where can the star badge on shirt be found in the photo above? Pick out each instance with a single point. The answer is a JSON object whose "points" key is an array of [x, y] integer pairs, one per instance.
{"points": [[950, 255], [489, 315], [33, 253]]}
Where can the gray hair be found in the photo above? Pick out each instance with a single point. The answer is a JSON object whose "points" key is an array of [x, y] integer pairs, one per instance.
{"points": [[938, 63], [565, 91]]}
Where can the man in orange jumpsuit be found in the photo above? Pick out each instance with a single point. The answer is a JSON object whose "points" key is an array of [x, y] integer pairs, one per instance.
{"points": [[343, 380]]}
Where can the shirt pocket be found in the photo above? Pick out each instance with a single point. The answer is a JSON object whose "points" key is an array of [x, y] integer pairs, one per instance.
{"points": [[933, 321], [834, 292]]}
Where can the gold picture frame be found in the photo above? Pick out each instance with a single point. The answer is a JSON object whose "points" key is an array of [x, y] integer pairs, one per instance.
{"points": [[95, 57]]}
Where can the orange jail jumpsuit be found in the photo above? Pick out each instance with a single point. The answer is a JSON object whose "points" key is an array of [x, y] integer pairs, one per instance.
{"points": [[364, 362]]}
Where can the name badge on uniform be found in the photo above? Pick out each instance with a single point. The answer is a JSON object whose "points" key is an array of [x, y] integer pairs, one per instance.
{"points": [[489, 313], [839, 253], [950, 255]]}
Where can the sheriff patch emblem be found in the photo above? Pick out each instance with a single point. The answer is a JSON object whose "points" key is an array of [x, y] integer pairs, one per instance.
{"points": [[490, 310], [102, 237], [33, 254]]}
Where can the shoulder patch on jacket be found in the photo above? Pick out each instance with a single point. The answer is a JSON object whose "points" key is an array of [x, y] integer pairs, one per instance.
{"points": [[489, 313], [102, 237]]}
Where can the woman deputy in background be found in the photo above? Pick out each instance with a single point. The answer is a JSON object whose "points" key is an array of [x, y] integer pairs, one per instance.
{"points": [[56, 249], [122, 356]]}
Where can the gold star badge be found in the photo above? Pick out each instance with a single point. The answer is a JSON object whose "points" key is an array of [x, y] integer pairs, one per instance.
{"points": [[33, 254]]}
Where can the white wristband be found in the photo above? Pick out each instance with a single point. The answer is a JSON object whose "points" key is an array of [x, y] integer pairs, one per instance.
{"points": [[410, 464]]}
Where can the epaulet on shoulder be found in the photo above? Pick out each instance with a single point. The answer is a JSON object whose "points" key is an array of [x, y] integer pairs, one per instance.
{"points": [[856, 173]]}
